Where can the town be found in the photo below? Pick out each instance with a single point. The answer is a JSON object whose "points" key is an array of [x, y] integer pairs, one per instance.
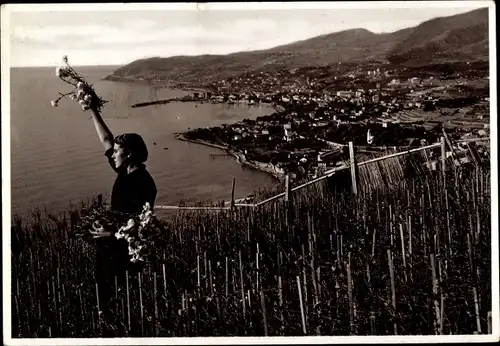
{"points": [[320, 109]]}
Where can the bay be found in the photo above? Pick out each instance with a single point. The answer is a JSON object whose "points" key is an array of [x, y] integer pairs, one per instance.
{"points": [[56, 158]]}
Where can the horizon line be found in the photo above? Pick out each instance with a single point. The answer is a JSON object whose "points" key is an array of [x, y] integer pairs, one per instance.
{"points": [[258, 50]]}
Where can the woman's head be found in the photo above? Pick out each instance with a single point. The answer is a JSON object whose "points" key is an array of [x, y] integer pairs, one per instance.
{"points": [[129, 149]]}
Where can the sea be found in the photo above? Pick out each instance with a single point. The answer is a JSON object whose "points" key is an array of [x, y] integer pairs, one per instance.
{"points": [[57, 159]]}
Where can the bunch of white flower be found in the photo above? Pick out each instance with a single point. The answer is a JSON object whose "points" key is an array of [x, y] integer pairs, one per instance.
{"points": [[83, 92], [137, 232]]}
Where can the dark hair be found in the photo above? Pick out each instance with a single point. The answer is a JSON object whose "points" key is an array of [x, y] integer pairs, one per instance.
{"points": [[133, 143]]}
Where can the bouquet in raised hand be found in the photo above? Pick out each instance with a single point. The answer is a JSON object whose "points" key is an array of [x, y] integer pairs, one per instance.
{"points": [[82, 92]]}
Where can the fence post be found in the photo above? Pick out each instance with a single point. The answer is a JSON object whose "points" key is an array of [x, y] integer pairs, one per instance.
{"points": [[288, 195], [287, 188], [453, 154], [353, 168], [443, 159], [232, 194]]}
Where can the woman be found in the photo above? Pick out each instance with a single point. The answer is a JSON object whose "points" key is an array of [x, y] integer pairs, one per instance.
{"points": [[133, 187]]}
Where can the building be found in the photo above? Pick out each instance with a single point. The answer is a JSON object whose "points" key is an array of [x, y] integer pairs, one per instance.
{"points": [[289, 133], [344, 93], [369, 137]]}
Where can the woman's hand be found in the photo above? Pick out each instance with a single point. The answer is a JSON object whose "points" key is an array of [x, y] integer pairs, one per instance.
{"points": [[99, 231]]}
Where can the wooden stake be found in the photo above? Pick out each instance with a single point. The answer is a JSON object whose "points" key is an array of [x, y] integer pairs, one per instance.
{"points": [[410, 247], [374, 240], [280, 294], [227, 278], [441, 327], [257, 268], [393, 288], [140, 303], [98, 306], [435, 283], [302, 312], [205, 267], [288, 201], [349, 293], [198, 274], [128, 300], [242, 287], [318, 283], [372, 323], [490, 330], [368, 276], [232, 194], [287, 188], [353, 168], [403, 252], [476, 306], [164, 281], [155, 294], [263, 305], [305, 279], [210, 277]]}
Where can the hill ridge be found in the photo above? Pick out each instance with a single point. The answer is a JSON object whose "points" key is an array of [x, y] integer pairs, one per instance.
{"points": [[461, 37]]}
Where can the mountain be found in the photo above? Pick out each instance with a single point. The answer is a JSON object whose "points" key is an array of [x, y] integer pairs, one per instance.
{"points": [[455, 38]]}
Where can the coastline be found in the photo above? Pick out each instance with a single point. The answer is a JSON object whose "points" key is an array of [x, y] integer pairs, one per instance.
{"points": [[239, 156], [157, 83]]}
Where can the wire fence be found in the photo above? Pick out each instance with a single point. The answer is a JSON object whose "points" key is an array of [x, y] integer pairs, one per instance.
{"points": [[352, 164]]}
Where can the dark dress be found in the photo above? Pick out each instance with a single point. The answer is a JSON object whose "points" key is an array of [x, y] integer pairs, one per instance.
{"points": [[130, 193]]}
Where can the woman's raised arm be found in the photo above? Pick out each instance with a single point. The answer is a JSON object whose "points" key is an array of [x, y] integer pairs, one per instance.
{"points": [[105, 135]]}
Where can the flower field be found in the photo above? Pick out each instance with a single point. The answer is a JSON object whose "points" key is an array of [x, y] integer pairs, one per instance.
{"points": [[411, 260]]}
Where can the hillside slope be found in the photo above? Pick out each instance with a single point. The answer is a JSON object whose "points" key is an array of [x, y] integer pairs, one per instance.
{"points": [[460, 37]]}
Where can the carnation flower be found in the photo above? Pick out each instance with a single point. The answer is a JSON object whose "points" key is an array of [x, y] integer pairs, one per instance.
{"points": [[129, 226], [62, 72], [119, 235], [53, 103]]}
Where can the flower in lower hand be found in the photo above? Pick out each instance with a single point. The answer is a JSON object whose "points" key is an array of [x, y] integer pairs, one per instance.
{"points": [[53, 103]]}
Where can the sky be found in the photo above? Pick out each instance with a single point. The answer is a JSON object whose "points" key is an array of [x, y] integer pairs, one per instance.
{"points": [[116, 34]]}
